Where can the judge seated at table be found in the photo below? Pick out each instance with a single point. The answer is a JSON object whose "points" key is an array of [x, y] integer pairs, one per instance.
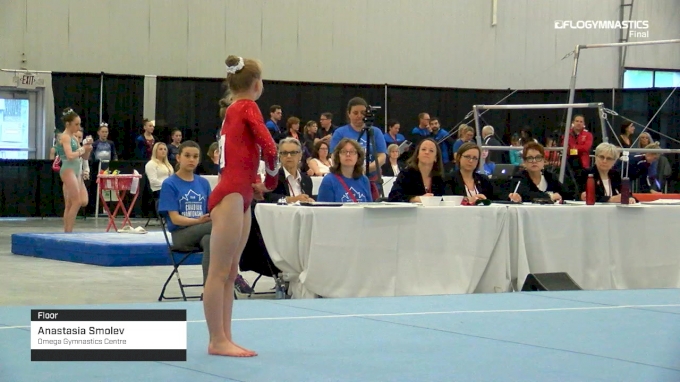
{"points": [[466, 181], [294, 185], [535, 182], [393, 166], [422, 175], [651, 169], [607, 179], [346, 183]]}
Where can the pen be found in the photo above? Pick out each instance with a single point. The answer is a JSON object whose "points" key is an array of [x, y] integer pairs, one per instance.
{"points": [[517, 187]]}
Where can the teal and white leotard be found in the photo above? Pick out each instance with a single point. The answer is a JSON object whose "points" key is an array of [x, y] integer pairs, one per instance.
{"points": [[74, 164]]}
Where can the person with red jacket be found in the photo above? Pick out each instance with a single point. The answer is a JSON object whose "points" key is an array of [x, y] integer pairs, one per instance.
{"points": [[580, 143]]}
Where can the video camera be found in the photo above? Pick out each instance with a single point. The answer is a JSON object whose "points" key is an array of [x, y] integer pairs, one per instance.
{"points": [[369, 116]]}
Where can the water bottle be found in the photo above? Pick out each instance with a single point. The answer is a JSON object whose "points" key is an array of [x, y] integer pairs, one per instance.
{"points": [[625, 191], [590, 190]]}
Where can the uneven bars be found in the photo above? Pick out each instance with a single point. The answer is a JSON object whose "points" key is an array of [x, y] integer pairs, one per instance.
{"points": [[540, 106], [620, 44], [572, 86], [569, 106]]}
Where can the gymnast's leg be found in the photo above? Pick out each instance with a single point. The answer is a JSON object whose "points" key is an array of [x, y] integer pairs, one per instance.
{"points": [[84, 196], [71, 198], [233, 273], [225, 239]]}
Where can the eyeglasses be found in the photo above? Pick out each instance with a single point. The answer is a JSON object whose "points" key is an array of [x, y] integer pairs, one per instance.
{"points": [[289, 153], [348, 152], [534, 159], [470, 158], [606, 159]]}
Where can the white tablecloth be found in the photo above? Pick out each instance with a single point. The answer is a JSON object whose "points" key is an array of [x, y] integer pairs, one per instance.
{"points": [[600, 247], [360, 251]]}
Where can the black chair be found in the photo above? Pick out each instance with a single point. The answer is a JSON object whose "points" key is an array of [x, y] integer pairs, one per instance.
{"points": [[183, 253]]}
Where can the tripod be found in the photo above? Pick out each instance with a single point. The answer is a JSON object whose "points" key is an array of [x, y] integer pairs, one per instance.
{"points": [[369, 119]]}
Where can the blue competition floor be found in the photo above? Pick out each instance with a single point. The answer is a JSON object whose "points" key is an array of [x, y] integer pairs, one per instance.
{"points": [[541, 336]]}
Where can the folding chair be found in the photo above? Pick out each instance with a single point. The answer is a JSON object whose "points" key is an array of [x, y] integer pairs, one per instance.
{"points": [[183, 253]]}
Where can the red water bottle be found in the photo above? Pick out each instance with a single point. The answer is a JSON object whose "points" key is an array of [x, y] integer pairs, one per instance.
{"points": [[625, 191], [590, 190]]}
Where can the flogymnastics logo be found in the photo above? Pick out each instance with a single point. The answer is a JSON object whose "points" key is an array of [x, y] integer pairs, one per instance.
{"points": [[636, 28]]}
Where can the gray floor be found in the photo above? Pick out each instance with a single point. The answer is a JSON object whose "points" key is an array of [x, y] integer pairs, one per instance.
{"points": [[33, 281]]}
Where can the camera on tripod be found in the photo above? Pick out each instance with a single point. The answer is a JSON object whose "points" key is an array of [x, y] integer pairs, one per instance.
{"points": [[369, 115]]}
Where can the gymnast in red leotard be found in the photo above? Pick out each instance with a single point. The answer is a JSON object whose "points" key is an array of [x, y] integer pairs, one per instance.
{"points": [[242, 137]]}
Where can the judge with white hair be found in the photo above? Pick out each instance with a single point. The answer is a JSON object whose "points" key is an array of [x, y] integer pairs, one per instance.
{"points": [[489, 139], [607, 178]]}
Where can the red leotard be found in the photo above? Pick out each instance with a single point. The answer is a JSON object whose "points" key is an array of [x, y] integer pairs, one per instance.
{"points": [[243, 130]]}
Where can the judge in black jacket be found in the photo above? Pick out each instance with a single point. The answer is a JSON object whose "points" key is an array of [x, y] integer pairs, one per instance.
{"points": [[293, 185], [393, 166], [465, 181], [534, 182], [607, 179], [422, 176]]}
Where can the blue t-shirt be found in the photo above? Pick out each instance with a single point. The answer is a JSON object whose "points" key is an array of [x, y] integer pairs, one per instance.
{"points": [[348, 132], [189, 199], [332, 190], [443, 146], [388, 139], [272, 126], [422, 132]]}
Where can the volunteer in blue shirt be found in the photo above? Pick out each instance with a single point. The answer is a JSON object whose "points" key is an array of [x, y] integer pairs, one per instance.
{"points": [[184, 203], [346, 183], [356, 109]]}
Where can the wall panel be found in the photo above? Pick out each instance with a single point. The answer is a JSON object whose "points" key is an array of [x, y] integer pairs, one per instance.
{"points": [[206, 39], [444, 43]]}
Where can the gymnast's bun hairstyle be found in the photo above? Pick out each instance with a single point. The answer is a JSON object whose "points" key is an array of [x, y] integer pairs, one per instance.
{"points": [[241, 73], [68, 115]]}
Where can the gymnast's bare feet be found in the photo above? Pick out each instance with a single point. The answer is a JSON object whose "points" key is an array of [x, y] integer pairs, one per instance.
{"points": [[229, 349]]}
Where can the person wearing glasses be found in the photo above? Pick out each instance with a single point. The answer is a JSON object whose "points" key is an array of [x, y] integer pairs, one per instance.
{"points": [[294, 185], [607, 179], [466, 181], [535, 182], [346, 183]]}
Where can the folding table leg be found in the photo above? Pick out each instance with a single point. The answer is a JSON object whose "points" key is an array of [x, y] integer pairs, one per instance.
{"points": [[112, 221]]}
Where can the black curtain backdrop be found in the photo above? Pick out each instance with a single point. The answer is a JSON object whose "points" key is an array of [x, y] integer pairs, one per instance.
{"points": [[79, 91], [308, 100], [191, 105], [122, 109]]}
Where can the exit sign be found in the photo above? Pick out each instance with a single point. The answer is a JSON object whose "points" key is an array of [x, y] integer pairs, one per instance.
{"points": [[28, 80]]}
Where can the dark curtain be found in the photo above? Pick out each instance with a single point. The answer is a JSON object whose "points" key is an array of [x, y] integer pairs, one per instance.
{"points": [[122, 109], [79, 91], [449, 105], [308, 100], [191, 105]]}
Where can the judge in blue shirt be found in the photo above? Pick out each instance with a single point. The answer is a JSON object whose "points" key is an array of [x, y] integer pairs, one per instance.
{"points": [[356, 110], [346, 183]]}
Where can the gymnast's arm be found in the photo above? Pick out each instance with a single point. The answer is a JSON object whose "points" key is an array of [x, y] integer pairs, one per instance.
{"points": [[65, 141], [264, 139]]}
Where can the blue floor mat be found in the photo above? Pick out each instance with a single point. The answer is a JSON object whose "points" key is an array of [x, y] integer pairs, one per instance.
{"points": [[106, 249]]}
